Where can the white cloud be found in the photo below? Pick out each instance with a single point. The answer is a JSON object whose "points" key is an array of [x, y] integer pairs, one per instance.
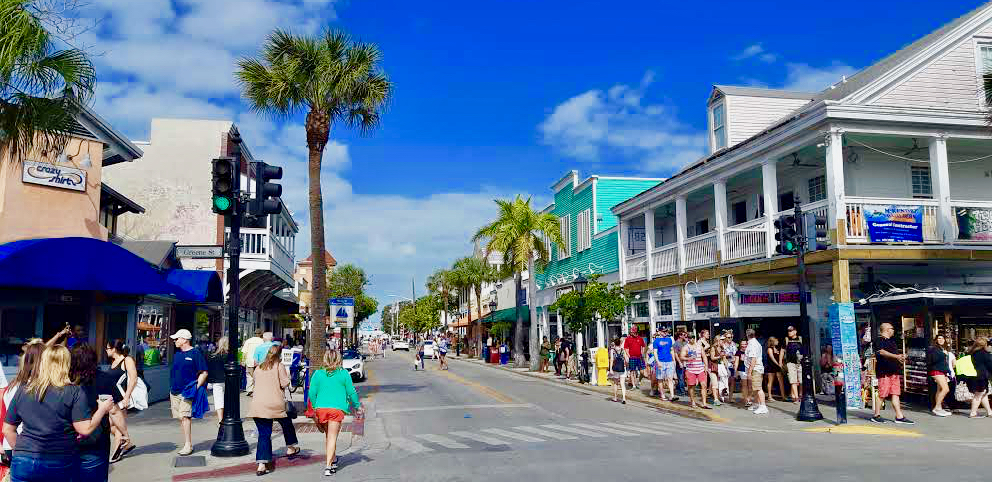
{"points": [[806, 78], [758, 51], [130, 106], [595, 125]]}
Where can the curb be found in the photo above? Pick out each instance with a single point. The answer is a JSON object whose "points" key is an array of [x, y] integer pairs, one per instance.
{"points": [[668, 407]]}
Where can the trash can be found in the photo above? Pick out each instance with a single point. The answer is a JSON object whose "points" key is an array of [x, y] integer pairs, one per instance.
{"points": [[493, 355], [602, 366]]}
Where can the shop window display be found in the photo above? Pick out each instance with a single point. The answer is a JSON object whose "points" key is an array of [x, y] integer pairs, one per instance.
{"points": [[153, 330]]}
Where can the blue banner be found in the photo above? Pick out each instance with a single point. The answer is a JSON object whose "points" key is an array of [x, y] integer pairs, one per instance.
{"points": [[894, 224], [845, 343]]}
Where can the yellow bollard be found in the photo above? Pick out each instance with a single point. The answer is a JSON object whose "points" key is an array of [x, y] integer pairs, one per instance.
{"points": [[602, 365]]}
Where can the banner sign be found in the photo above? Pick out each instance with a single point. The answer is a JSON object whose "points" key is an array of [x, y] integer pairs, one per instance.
{"points": [[845, 343], [893, 223], [974, 224], [768, 298], [342, 311], [47, 174], [636, 239]]}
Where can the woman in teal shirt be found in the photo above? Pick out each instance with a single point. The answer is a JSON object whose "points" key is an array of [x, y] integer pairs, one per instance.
{"points": [[332, 396]]}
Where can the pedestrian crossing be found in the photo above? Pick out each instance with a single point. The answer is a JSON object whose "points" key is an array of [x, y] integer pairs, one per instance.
{"points": [[576, 431]]}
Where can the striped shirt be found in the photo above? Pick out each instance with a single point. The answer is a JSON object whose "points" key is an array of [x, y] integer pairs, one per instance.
{"points": [[694, 359]]}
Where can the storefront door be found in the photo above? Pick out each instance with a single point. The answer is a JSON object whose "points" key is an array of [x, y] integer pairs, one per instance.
{"points": [[59, 316]]}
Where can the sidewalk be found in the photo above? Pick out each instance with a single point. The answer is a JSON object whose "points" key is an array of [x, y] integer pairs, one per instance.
{"points": [[782, 415], [158, 437]]}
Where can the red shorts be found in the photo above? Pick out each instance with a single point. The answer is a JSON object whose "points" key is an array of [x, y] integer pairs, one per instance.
{"points": [[934, 373], [889, 385], [693, 379], [325, 415]]}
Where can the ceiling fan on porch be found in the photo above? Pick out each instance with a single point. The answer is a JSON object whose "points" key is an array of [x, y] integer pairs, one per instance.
{"points": [[796, 162], [916, 148]]}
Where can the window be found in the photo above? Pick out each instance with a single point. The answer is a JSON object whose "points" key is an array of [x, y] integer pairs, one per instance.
{"points": [[565, 228], [663, 307], [786, 201], [921, 182], [719, 128], [702, 227], [640, 310], [985, 53], [817, 189], [740, 212], [584, 230], [707, 304]]}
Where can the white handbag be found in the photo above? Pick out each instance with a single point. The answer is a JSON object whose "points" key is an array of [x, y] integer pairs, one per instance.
{"points": [[139, 396]]}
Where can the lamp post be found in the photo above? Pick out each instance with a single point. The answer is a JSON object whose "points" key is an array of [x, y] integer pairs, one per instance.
{"points": [[579, 285], [492, 312]]}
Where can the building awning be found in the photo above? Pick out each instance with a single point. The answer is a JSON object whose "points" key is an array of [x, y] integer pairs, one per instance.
{"points": [[120, 203], [201, 285], [82, 264], [509, 314]]}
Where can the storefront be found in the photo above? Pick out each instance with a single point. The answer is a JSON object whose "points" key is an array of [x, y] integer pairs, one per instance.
{"points": [[667, 309]]}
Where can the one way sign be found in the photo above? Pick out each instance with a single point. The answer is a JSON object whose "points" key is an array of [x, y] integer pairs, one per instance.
{"points": [[342, 312]]}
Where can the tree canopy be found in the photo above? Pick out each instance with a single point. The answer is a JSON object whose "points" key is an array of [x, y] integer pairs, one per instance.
{"points": [[422, 316], [609, 301], [350, 281]]}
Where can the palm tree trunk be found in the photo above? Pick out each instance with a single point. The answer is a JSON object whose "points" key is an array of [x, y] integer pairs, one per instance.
{"points": [[518, 329], [478, 307], [318, 128], [535, 347]]}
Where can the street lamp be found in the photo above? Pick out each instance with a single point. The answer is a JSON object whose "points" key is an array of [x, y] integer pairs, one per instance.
{"points": [[579, 285], [492, 311]]}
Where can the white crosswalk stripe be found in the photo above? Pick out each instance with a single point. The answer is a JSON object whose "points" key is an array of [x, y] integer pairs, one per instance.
{"points": [[480, 438], [677, 428], [635, 428], [409, 445], [443, 441], [511, 435], [546, 433], [983, 444], [562, 428], [623, 433]]}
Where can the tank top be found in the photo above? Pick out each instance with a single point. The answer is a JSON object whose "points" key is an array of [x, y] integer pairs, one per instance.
{"points": [[695, 363], [115, 373]]}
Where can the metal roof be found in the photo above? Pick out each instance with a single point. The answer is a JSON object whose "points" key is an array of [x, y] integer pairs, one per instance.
{"points": [[762, 92]]}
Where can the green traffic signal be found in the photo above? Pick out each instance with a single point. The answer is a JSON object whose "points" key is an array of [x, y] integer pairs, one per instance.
{"points": [[222, 203]]}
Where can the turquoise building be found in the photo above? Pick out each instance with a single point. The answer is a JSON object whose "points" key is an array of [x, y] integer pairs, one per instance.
{"points": [[589, 229]]}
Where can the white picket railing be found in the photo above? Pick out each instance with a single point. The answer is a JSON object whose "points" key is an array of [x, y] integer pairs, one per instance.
{"points": [[701, 250], [745, 241], [637, 267], [665, 260], [857, 227], [979, 220]]}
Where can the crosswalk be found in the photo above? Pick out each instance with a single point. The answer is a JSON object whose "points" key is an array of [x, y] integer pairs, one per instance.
{"points": [[575, 431], [981, 444]]}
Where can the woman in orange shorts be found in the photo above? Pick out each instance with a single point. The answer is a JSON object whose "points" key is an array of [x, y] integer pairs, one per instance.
{"points": [[332, 396]]}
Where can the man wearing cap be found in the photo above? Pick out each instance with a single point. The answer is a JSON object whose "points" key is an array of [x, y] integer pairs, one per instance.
{"points": [[188, 366], [248, 359], [664, 349], [793, 361], [635, 347]]}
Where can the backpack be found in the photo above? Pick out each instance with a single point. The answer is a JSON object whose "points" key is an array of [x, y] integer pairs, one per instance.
{"points": [[618, 363], [965, 367]]}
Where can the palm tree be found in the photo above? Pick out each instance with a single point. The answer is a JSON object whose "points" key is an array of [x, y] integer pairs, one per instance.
{"points": [[42, 89], [332, 79], [473, 273], [519, 232], [440, 283]]}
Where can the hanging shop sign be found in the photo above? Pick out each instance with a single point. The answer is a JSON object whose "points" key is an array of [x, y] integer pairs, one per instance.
{"points": [[894, 223], [974, 224], [51, 175], [770, 298]]}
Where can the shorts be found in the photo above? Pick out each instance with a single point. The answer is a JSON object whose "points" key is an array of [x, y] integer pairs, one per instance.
{"points": [[693, 379], [181, 407], [935, 373], [889, 385], [218, 389], [756, 376], [636, 364], [325, 415], [795, 372], [665, 370]]}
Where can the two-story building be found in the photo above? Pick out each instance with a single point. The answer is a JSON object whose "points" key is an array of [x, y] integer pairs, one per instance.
{"points": [[589, 230], [898, 157]]}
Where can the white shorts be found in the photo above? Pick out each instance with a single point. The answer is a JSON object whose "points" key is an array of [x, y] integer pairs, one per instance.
{"points": [[218, 389]]}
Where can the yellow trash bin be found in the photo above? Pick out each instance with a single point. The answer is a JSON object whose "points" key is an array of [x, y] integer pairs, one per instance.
{"points": [[602, 365]]}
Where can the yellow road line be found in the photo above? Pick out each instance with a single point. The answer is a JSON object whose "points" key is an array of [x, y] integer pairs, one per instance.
{"points": [[864, 430], [482, 388]]}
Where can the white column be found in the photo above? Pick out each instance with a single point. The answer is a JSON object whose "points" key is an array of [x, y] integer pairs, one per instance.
{"points": [[649, 240], [836, 210], [558, 317], [651, 314], [600, 332], [621, 251], [941, 185], [720, 201], [680, 230], [769, 190]]}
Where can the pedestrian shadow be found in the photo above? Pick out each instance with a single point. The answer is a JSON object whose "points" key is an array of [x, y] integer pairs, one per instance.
{"points": [[155, 448], [390, 388]]}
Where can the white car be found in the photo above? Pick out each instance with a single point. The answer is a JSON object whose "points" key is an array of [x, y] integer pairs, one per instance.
{"points": [[401, 344], [355, 364], [429, 351]]}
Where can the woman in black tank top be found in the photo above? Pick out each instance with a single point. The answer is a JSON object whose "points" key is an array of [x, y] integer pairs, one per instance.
{"points": [[121, 365]]}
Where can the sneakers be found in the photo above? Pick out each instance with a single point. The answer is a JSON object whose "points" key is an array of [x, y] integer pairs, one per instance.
{"points": [[761, 410], [905, 421], [940, 412], [877, 419]]}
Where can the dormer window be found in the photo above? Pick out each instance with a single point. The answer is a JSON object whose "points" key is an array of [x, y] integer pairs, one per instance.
{"points": [[719, 123]]}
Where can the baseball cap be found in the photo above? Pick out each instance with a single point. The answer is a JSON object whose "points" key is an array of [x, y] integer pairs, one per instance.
{"points": [[183, 333], [790, 328]]}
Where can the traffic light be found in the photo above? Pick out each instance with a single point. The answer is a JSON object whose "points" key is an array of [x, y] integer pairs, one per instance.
{"points": [[786, 235], [224, 195], [816, 230], [265, 190]]}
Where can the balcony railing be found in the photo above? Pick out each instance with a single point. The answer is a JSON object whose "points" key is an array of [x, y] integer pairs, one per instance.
{"points": [[665, 260], [258, 245], [746, 241], [637, 267], [857, 226], [701, 250]]}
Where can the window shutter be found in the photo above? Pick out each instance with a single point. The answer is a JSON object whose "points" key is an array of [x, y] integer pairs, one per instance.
{"points": [[565, 226]]}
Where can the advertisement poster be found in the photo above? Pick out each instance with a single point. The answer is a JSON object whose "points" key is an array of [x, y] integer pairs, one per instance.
{"points": [[845, 343], [974, 224], [894, 224]]}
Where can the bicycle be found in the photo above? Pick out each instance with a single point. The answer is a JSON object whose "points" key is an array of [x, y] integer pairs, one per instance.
{"points": [[299, 371]]}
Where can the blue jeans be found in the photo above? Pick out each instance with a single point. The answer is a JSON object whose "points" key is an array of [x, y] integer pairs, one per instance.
{"points": [[25, 468], [94, 466], [263, 452], [680, 380]]}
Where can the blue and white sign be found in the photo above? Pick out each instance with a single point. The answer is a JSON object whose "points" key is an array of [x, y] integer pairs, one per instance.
{"points": [[342, 311], [845, 343], [894, 224], [52, 175]]}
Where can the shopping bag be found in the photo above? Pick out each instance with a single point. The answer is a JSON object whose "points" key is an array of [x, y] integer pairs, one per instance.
{"points": [[961, 392]]}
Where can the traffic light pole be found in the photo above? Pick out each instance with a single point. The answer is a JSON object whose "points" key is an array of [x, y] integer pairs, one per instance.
{"points": [[231, 435], [808, 409]]}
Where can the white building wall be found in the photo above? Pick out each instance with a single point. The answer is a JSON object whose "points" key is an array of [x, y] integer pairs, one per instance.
{"points": [[747, 116]]}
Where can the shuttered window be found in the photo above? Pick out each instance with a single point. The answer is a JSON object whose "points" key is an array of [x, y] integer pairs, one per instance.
{"points": [[565, 228], [584, 231]]}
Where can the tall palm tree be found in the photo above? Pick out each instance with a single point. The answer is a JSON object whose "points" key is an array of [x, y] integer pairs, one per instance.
{"points": [[475, 272], [519, 232], [42, 89], [332, 79], [440, 282]]}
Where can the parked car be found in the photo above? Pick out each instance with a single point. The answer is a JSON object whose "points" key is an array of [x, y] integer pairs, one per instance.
{"points": [[401, 344], [355, 364], [429, 351]]}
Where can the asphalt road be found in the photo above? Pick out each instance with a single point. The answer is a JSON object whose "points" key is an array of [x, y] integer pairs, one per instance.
{"points": [[474, 423]]}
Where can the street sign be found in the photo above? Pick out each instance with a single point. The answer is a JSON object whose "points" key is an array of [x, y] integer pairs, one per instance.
{"points": [[200, 252], [342, 311]]}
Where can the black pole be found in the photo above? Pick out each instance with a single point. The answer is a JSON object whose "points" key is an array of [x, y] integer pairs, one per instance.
{"points": [[584, 376], [231, 435], [808, 409]]}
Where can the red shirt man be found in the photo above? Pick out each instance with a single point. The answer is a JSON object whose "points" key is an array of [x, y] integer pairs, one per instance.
{"points": [[634, 345]]}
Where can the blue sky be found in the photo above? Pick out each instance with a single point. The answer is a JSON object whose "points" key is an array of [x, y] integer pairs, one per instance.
{"points": [[491, 100]]}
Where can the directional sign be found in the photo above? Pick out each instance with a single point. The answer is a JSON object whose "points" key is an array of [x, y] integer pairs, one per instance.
{"points": [[200, 252], [342, 311]]}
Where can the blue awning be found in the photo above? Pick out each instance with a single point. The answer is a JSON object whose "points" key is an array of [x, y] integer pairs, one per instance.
{"points": [[82, 264], [202, 286]]}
